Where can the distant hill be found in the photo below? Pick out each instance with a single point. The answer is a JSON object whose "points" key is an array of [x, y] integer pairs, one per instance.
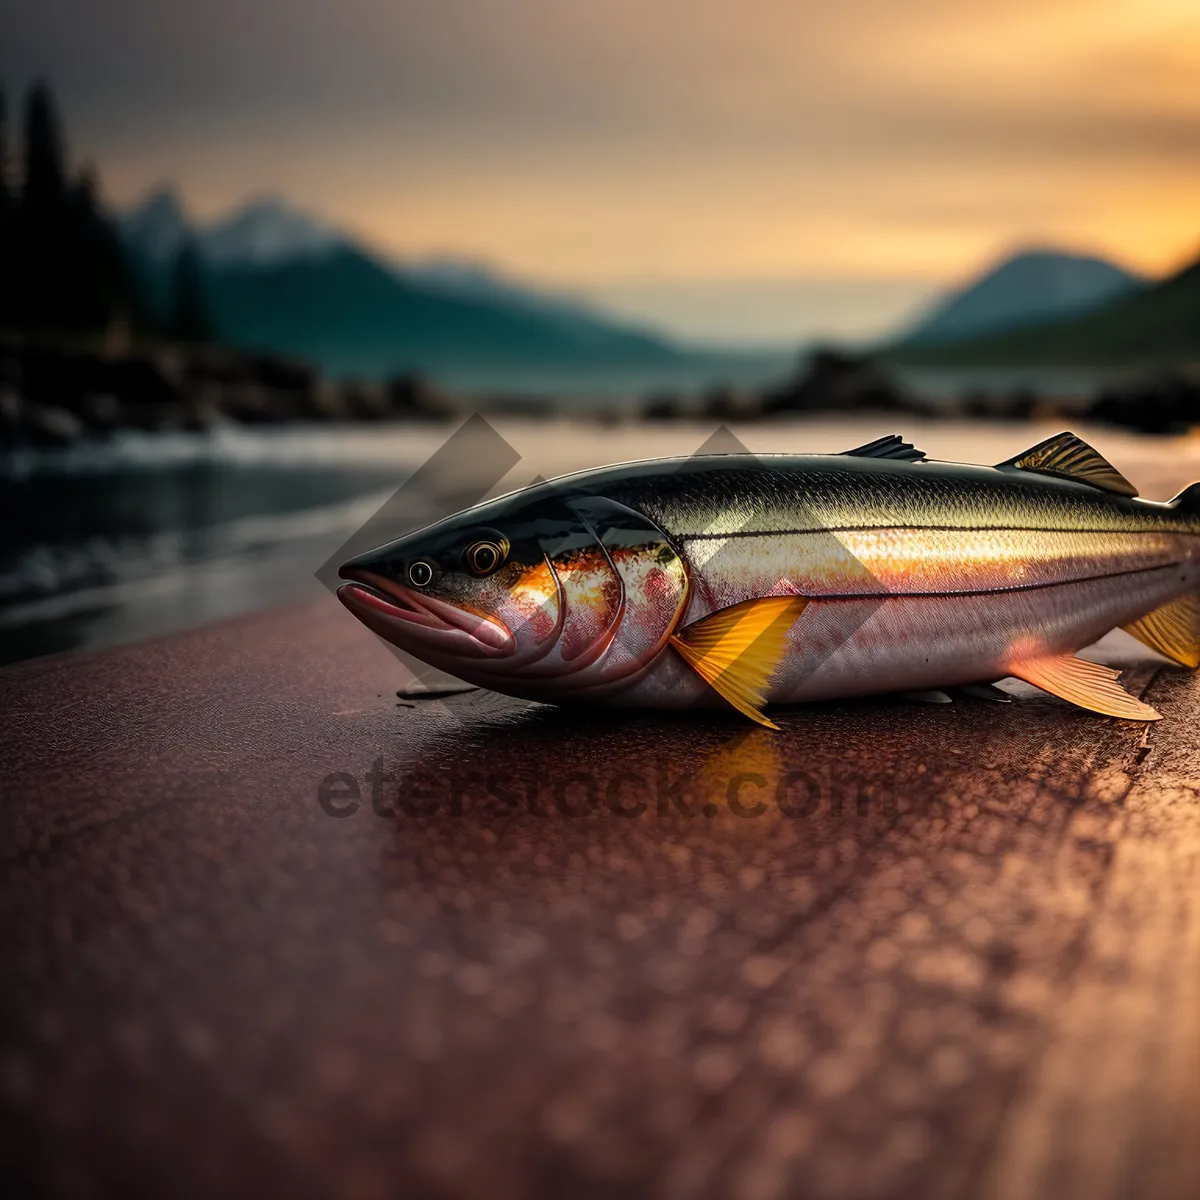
{"points": [[1027, 289], [155, 230], [1156, 325], [282, 280], [471, 280], [350, 313], [263, 232]]}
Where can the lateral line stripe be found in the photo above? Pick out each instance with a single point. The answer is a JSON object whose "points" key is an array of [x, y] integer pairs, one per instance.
{"points": [[749, 533], [1027, 587]]}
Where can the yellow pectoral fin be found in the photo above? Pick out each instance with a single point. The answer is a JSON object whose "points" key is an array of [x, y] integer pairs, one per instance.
{"points": [[735, 651], [1087, 684], [1173, 630]]}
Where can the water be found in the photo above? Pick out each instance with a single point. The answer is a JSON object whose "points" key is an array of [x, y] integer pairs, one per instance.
{"points": [[115, 542], [142, 535]]}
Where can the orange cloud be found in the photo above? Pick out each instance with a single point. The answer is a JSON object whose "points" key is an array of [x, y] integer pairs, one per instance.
{"points": [[684, 140]]}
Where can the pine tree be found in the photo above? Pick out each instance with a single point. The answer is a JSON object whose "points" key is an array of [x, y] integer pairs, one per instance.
{"points": [[69, 273], [43, 268], [5, 193], [45, 183], [6, 220], [63, 268], [100, 284], [188, 316]]}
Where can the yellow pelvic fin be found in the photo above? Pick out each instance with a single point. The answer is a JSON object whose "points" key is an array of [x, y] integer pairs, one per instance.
{"points": [[1087, 684], [1173, 630], [736, 650], [1072, 458]]}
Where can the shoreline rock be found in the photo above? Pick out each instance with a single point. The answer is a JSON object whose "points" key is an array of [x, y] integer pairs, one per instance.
{"points": [[54, 395]]}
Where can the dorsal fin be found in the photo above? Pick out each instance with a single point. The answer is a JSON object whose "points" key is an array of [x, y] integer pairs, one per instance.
{"points": [[893, 446], [1070, 457]]}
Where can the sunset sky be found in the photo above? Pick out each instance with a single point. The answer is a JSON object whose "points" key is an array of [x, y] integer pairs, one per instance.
{"points": [[743, 169]]}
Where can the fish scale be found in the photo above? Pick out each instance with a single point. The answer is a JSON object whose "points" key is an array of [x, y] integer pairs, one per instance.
{"points": [[752, 495]]}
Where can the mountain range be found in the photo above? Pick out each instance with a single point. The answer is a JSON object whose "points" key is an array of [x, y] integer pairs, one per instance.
{"points": [[1091, 314], [1032, 287], [280, 279]]}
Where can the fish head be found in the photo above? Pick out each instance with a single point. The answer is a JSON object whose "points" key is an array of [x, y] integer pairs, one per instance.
{"points": [[530, 593]]}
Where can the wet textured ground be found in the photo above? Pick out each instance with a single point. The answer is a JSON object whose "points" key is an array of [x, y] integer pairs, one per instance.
{"points": [[267, 932]]}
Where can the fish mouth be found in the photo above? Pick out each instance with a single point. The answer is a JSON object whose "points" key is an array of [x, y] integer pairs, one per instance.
{"points": [[409, 619]]}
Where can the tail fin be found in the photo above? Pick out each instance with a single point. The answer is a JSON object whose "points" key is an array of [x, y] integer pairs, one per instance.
{"points": [[1173, 630], [1188, 501]]}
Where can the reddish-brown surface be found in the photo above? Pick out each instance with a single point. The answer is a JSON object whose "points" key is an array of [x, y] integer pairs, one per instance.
{"points": [[966, 964]]}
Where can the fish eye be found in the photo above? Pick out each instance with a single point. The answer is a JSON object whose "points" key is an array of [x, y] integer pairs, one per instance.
{"points": [[420, 573], [482, 558]]}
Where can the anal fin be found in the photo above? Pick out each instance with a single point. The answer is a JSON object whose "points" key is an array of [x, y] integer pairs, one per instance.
{"points": [[736, 650], [1087, 684], [1173, 630]]}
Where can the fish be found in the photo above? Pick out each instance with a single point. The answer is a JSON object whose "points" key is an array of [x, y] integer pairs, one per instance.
{"points": [[747, 580]]}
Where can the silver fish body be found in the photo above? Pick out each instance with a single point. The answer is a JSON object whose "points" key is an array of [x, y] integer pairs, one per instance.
{"points": [[933, 574], [915, 574]]}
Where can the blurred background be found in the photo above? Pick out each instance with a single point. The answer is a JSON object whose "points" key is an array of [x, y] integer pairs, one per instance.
{"points": [[258, 261]]}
